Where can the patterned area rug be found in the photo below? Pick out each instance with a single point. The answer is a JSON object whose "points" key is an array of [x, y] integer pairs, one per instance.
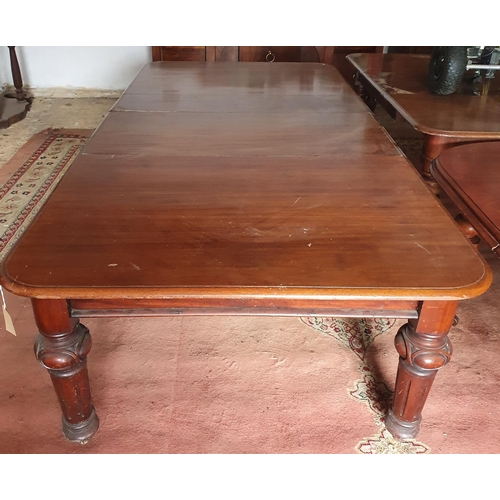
{"points": [[37, 174], [22, 196], [357, 335]]}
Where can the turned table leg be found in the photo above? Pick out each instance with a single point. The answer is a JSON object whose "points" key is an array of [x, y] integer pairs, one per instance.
{"points": [[424, 348], [433, 146], [62, 348], [467, 229]]}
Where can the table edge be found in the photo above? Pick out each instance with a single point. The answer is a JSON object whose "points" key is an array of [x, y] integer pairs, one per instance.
{"points": [[266, 294], [463, 201]]}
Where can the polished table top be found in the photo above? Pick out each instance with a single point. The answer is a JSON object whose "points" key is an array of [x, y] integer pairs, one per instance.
{"points": [[402, 80], [470, 174], [234, 179]]}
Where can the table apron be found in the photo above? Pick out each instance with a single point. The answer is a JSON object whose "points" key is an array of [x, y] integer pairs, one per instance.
{"points": [[81, 308]]}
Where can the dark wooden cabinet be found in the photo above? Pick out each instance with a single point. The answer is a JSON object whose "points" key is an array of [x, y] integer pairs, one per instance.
{"points": [[180, 53], [245, 54], [420, 49], [286, 54], [327, 55]]}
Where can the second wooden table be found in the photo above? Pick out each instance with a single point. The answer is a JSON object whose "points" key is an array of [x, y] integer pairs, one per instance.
{"points": [[399, 83]]}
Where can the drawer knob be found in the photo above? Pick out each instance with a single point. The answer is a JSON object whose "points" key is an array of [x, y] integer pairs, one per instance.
{"points": [[270, 57]]}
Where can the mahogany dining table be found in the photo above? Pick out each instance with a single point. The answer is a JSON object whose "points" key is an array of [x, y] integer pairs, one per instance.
{"points": [[242, 189]]}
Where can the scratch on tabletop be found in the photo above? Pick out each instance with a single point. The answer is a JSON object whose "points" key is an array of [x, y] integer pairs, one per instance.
{"points": [[199, 249], [423, 248]]}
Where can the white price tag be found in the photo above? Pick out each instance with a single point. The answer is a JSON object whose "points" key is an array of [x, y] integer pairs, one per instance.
{"points": [[9, 325]]}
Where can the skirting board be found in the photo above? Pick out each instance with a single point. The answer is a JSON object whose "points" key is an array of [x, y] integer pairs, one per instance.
{"points": [[69, 92]]}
